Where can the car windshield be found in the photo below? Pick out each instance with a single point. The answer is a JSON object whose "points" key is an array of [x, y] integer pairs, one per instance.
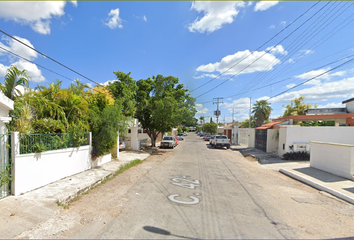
{"points": [[167, 138], [208, 136], [221, 137]]}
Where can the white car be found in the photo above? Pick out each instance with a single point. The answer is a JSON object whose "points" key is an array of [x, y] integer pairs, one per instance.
{"points": [[121, 144], [168, 141]]}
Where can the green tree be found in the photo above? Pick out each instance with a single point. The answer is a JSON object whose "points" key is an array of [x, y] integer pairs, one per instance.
{"points": [[159, 101], [13, 78], [261, 111], [297, 106], [125, 90], [201, 119], [209, 128], [245, 123]]}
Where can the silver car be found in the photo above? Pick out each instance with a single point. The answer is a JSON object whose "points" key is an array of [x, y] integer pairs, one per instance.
{"points": [[121, 144], [168, 141]]}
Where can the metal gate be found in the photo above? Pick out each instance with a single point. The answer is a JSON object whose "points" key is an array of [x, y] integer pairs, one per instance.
{"points": [[5, 165], [261, 139]]}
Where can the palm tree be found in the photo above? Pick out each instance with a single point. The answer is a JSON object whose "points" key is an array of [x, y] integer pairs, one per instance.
{"points": [[201, 119], [13, 78], [261, 111]]}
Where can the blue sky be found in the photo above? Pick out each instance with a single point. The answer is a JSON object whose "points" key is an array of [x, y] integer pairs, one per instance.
{"points": [[216, 49]]}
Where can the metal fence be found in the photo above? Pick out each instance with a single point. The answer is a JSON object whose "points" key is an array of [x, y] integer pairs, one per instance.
{"points": [[5, 165], [35, 143]]}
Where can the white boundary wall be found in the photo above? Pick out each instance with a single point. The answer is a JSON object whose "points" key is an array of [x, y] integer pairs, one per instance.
{"points": [[35, 170], [246, 137], [334, 158], [272, 140], [295, 134]]}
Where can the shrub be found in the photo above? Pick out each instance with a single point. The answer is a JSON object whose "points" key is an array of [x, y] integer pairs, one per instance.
{"points": [[296, 156]]}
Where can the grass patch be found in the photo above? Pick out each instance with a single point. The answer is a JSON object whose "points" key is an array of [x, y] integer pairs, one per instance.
{"points": [[121, 170], [62, 205]]}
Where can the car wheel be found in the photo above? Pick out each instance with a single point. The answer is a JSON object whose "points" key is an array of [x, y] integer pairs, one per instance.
{"points": [[228, 147]]}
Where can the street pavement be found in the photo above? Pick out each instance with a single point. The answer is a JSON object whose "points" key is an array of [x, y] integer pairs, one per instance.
{"points": [[300, 170], [21, 213]]}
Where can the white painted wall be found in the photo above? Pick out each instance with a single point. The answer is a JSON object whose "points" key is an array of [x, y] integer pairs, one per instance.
{"points": [[35, 170], [334, 158], [32, 171], [272, 140], [101, 160], [292, 134], [350, 106], [6, 104], [246, 137]]}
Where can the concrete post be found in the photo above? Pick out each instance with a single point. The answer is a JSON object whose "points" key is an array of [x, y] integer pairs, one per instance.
{"points": [[134, 135], [15, 151], [118, 145]]}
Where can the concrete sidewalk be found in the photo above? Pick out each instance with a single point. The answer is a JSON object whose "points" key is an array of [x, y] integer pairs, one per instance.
{"points": [[21, 213], [300, 170]]}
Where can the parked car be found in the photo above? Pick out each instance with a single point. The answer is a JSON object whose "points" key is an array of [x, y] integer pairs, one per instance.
{"points": [[121, 144], [211, 139], [185, 134], [168, 141], [207, 137], [176, 140], [180, 136], [221, 141]]}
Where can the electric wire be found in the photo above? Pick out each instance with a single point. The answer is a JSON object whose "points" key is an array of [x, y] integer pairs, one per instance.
{"points": [[257, 48], [263, 53], [48, 57], [254, 83]]}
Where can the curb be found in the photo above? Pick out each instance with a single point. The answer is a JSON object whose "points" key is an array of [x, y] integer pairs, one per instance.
{"points": [[81, 191], [317, 185]]}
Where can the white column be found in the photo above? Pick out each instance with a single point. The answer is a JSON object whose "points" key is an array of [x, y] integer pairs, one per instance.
{"points": [[15, 152], [118, 145], [134, 138]]}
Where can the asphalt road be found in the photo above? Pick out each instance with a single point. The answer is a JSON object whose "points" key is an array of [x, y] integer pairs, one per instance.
{"points": [[194, 191], [197, 192]]}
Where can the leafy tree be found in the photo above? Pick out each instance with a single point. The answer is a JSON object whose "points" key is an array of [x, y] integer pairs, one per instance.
{"points": [[209, 128], [297, 106], [125, 90], [159, 104], [13, 78], [201, 118], [245, 123], [261, 111]]}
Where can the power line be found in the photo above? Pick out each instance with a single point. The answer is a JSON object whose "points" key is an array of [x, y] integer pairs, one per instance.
{"points": [[34, 63], [48, 57], [264, 53], [257, 48], [330, 70]]}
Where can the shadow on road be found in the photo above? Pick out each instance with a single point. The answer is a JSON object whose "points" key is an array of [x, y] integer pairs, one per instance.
{"points": [[163, 232]]}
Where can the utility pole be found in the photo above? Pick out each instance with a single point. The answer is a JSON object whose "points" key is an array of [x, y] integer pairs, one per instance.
{"points": [[233, 112], [249, 122], [217, 109]]}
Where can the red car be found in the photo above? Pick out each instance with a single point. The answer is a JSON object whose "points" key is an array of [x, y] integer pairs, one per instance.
{"points": [[207, 137]]}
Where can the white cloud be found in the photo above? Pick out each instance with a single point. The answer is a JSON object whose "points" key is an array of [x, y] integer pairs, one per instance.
{"points": [[314, 73], [113, 20], [145, 19], [205, 75], [283, 23], [277, 49], [264, 5], [18, 48], [339, 74], [265, 62], [240, 107], [35, 14], [200, 109], [271, 26], [325, 91], [291, 85], [74, 3], [109, 81], [332, 105], [32, 70], [216, 14]]}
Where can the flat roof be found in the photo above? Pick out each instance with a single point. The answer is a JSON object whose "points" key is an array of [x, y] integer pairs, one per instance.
{"points": [[349, 100]]}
